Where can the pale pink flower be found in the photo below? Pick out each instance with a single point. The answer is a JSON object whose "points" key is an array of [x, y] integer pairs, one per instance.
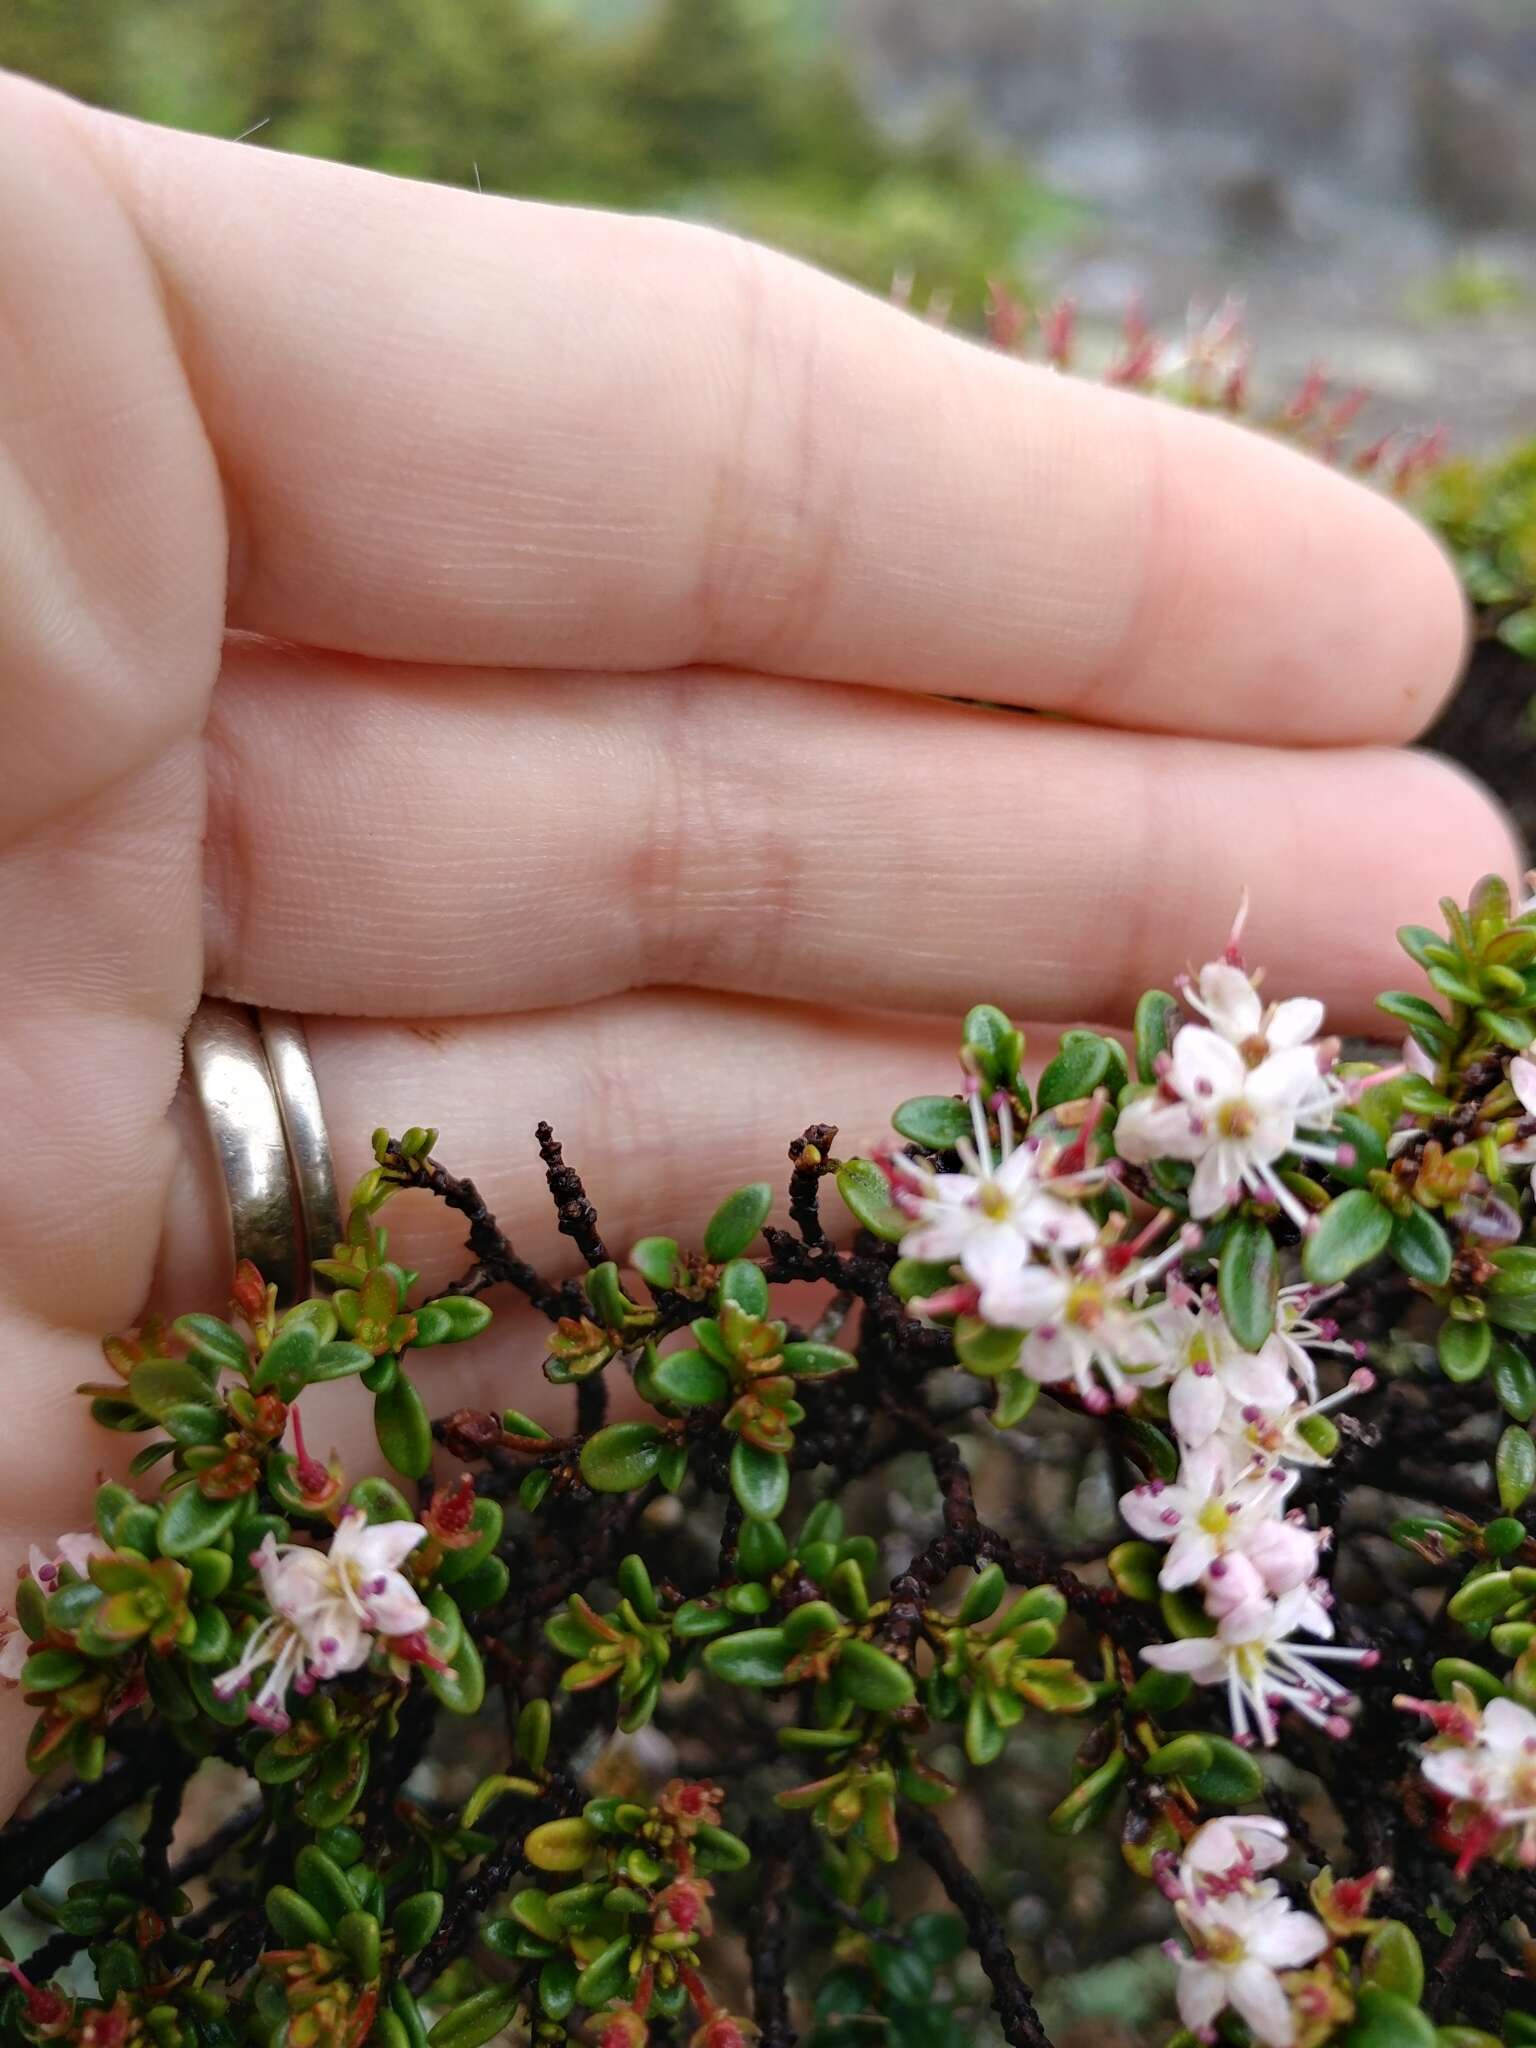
{"points": [[1522, 1078], [1232, 1122], [328, 1607], [1216, 1507], [1490, 1764], [1227, 1854], [995, 1217], [1253, 1657], [1230, 1004], [1242, 1942]]}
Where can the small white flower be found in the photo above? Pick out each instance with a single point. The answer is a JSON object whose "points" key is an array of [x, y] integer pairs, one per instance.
{"points": [[75, 1550], [1241, 1944], [1211, 1510], [1283, 1436], [1227, 1855], [1229, 1120], [1522, 1078], [1494, 1771], [1230, 1004], [1091, 1322], [992, 1219], [327, 1608], [1215, 1381], [1251, 1654], [13, 1650]]}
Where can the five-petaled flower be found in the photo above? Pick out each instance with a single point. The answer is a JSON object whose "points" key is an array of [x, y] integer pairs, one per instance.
{"points": [[1232, 1122], [1485, 1764], [1253, 1656], [995, 1217], [327, 1610]]}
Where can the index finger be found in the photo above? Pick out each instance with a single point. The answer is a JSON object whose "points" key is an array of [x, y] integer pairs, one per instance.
{"points": [[467, 429]]}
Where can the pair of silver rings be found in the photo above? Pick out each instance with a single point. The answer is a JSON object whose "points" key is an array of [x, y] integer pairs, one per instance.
{"points": [[252, 1075]]}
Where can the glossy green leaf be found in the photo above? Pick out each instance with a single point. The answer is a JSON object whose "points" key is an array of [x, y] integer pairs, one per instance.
{"points": [[403, 1428], [1464, 1349], [759, 1480], [1514, 1380], [621, 1458], [936, 1122], [871, 1678], [478, 2019], [1515, 1467], [690, 1379], [867, 1195], [1248, 1281], [1157, 1019], [737, 1221], [1383, 2020], [754, 1656], [1351, 1231], [189, 1522], [1420, 1246]]}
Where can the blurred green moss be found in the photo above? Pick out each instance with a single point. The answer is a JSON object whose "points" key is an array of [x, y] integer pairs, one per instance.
{"points": [[734, 111]]}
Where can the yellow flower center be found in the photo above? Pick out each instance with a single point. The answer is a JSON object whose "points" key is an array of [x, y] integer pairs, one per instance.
{"points": [[1236, 1119], [992, 1201]]}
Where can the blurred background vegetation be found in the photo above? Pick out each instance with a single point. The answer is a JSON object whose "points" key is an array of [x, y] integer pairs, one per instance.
{"points": [[743, 112]]}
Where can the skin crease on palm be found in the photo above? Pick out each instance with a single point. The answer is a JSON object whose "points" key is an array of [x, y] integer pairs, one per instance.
{"points": [[525, 641]]}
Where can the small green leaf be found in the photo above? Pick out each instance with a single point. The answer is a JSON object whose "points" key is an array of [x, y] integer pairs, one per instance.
{"points": [[817, 1361], [287, 1361], [561, 1845], [1351, 1231], [1383, 2020], [212, 1343], [936, 1122], [1515, 1467], [357, 1936], [872, 1679], [742, 1282], [1079, 1066], [415, 1920], [1233, 1777], [992, 1047], [1087, 1805], [759, 1480], [1248, 1281], [1483, 1598], [1016, 1394], [189, 1522], [737, 1221], [867, 1194], [1421, 1247], [1157, 1019], [1464, 1348], [403, 1428], [295, 1919], [162, 1383], [690, 1379], [658, 1261], [478, 2019], [454, 1319], [1393, 1961], [1514, 1380], [754, 1656], [622, 1458]]}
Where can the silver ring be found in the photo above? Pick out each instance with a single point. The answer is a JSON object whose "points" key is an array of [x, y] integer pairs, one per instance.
{"points": [[252, 1074], [309, 1149]]}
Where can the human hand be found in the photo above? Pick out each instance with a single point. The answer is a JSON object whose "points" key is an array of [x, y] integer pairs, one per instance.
{"points": [[517, 638]]}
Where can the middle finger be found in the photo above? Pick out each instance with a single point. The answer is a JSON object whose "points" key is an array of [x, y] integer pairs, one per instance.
{"points": [[389, 839]]}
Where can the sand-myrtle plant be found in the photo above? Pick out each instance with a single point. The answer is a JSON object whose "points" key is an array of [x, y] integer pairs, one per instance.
{"points": [[1121, 1468]]}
